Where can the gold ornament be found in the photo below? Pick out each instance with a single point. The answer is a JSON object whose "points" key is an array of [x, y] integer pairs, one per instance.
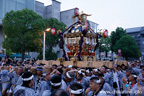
{"points": [[59, 31], [72, 31], [77, 30], [76, 27]]}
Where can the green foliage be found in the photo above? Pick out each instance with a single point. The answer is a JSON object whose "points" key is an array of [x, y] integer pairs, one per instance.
{"points": [[50, 55], [8, 52], [23, 30], [40, 57], [128, 46], [105, 44], [116, 35], [52, 40]]}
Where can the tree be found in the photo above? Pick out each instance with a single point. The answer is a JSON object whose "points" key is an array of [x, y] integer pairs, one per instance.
{"points": [[105, 44], [52, 40], [8, 52], [128, 46], [116, 35], [23, 31]]}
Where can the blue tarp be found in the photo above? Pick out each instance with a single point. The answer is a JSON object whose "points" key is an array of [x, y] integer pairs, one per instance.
{"points": [[19, 56], [2, 55]]}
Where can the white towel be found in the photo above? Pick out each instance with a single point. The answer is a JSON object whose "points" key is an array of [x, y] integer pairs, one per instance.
{"points": [[115, 79]]}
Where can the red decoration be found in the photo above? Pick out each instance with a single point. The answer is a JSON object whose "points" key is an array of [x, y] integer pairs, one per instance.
{"points": [[76, 11], [105, 34], [86, 53], [77, 47], [86, 26], [92, 81], [69, 53], [93, 54], [53, 31], [68, 46], [71, 48], [82, 53], [76, 53]]}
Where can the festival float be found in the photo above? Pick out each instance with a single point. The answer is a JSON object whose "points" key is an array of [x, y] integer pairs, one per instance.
{"points": [[79, 42]]}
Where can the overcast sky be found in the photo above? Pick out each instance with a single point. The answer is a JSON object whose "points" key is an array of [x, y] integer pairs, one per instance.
{"points": [[109, 14]]}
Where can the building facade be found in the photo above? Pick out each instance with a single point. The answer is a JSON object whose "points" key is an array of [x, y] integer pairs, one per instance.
{"points": [[7, 6], [50, 11], [138, 34]]}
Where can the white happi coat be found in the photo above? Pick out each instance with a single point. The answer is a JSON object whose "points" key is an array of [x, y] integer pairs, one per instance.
{"points": [[23, 91]]}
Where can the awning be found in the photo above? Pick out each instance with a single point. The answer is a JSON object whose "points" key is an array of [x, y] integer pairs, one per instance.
{"points": [[19, 56], [2, 55]]}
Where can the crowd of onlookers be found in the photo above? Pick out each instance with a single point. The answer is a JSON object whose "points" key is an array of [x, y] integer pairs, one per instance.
{"points": [[27, 78]]}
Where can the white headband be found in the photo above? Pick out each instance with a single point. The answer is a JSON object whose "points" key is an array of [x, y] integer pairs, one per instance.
{"points": [[88, 71], [81, 72], [96, 81], [79, 91], [27, 79], [96, 70], [67, 74], [44, 74], [55, 84], [135, 76]]}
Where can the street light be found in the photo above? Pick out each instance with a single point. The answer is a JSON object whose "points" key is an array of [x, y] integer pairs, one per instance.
{"points": [[47, 30]]}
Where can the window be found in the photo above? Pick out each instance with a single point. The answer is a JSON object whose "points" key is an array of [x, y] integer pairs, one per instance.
{"points": [[138, 35]]}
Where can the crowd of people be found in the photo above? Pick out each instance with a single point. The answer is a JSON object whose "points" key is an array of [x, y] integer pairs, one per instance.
{"points": [[27, 78]]}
